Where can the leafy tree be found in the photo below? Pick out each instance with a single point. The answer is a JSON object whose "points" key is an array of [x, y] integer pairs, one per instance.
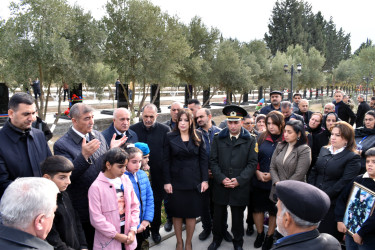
{"points": [[143, 45], [368, 43]]}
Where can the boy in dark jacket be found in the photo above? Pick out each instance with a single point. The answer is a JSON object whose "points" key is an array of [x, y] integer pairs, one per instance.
{"points": [[364, 238], [66, 232]]}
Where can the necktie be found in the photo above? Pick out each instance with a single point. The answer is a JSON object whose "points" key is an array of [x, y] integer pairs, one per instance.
{"points": [[234, 139], [119, 136]]}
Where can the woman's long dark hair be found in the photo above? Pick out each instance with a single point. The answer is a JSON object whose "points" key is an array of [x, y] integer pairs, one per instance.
{"points": [[277, 119], [298, 127], [192, 132]]}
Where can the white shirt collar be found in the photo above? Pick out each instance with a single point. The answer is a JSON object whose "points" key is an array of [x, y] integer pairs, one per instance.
{"points": [[80, 134], [366, 175], [118, 132], [337, 151]]}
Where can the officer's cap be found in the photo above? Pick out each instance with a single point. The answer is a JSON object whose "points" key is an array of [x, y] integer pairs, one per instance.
{"points": [[304, 200], [234, 113]]}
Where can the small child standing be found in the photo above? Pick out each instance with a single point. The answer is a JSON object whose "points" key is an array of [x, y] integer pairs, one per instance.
{"points": [[364, 238], [145, 158], [66, 232], [142, 188], [113, 205]]}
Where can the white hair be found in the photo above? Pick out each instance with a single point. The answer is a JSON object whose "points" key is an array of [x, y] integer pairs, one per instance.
{"points": [[150, 106], [299, 222], [120, 109], [25, 199]]}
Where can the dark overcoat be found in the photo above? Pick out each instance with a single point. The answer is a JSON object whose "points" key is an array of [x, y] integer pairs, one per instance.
{"points": [[238, 160], [184, 167], [20, 154], [310, 240], [331, 173], [85, 172], [108, 134]]}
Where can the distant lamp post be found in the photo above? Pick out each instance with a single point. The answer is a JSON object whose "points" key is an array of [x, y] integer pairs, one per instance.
{"points": [[299, 69], [367, 79]]}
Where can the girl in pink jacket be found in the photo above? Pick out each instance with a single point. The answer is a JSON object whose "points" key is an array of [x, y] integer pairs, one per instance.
{"points": [[113, 205]]}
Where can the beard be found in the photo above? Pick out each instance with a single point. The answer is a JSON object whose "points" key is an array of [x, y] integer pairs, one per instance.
{"points": [[280, 227]]}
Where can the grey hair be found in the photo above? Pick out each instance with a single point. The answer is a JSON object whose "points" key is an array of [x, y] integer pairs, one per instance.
{"points": [[207, 111], [150, 106], [299, 222], [79, 109], [25, 199], [286, 104], [120, 109], [362, 96], [340, 91], [330, 104], [179, 103]]}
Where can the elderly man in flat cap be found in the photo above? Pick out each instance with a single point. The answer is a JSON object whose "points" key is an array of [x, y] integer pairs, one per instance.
{"points": [[300, 208], [233, 160]]}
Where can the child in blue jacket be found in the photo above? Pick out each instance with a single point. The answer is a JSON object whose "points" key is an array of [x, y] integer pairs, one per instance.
{"points": [[142, 188]]}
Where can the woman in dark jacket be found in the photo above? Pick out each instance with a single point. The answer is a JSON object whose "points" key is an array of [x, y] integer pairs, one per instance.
{"points": [[337, 165], [262, 182], [315, 124], [365, 137], [322, 139], [185, 175]]}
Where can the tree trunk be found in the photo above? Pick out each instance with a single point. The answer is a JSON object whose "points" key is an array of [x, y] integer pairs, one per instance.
{"points": [[260, 92]]}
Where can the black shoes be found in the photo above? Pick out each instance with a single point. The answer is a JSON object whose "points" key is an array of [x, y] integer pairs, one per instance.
{"points": [[214, 245], [268, 242], [227, 237], [168, 226], [204, 234], [156, 237], [250, 230], [259, 240]]}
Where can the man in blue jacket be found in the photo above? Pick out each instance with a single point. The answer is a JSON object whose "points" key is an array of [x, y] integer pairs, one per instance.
{"points": [[22, 148], [276, 98], [120, 127]]}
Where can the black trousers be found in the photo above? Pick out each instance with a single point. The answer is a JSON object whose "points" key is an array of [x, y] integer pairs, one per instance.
{"points": [[208, 210], [250, 210], [159, 196], [89, 234], [237, 223]]}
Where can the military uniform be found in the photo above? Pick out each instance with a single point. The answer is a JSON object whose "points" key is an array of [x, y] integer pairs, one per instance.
{"points": [[232, 159]]}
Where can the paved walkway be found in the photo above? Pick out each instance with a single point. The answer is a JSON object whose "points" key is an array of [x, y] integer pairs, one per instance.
{"points": [[169, 240]]}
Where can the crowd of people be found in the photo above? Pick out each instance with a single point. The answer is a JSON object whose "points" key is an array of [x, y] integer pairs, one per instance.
{"points": [[291, 167]]}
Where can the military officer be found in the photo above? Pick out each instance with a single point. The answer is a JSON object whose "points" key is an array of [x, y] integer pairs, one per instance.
{"points": [[233, 161]]}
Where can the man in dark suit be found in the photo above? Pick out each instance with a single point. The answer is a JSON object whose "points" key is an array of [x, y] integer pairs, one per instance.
{"points": [[300, 208], [288, 112], [175, 107], [233, 161], [22, 148], [363, 107], [304, 111], [153, 133], [84, 146], [343, 110], [120, 127]]}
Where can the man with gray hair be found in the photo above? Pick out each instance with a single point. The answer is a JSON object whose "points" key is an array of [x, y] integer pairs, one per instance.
{"points": [[175, 108], [120, 127], [84, 146], [329, 108], [300, 208], [27, 211], [154, 133], [288, 112], [363, 107]]}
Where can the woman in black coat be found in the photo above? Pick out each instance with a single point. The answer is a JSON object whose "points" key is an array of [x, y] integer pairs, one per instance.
{"points": [[185, 175], [337, 165], [365, 137]]}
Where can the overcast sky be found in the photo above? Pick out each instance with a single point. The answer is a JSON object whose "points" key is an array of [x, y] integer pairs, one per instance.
{"points": [[247, 20]]}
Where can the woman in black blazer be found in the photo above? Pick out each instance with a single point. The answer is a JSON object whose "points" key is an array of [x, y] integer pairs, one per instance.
{"points": [[186, 175], [337, 165]]}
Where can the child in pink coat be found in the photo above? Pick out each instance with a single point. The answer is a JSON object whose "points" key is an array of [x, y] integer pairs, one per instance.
{"points": [[113, 205]]}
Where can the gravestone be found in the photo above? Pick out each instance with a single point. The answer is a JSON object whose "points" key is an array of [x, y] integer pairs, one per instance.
{"points": [[75, 94], [154, 87], [4, 100], [120, 93]]}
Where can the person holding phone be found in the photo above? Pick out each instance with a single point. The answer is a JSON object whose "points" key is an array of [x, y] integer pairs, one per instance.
{"points": [[185, 175]]}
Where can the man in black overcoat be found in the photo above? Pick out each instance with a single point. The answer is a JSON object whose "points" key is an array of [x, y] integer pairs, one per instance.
{"points": [[233, 161]]}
